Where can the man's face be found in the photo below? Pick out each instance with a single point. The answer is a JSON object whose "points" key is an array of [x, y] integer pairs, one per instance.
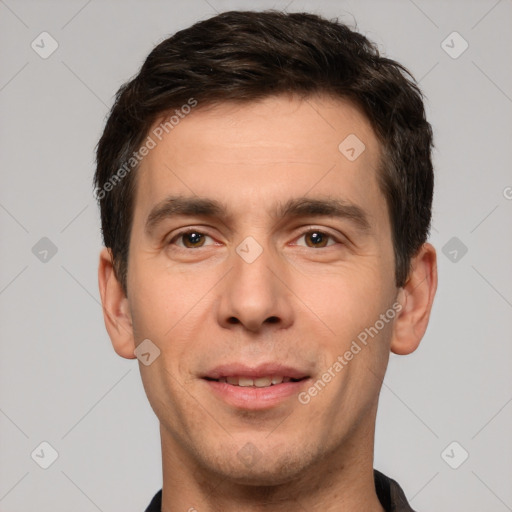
{"points": [[253, 294]]}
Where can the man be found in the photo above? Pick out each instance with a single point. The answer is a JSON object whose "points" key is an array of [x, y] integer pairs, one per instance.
{"points": [[265, 185]]}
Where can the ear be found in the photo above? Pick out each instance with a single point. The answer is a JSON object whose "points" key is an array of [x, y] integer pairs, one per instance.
{"points": [[416, 298], [116, 311]]}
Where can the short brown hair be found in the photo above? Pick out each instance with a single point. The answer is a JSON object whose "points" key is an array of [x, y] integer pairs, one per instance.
{"points": [[246, 56]]}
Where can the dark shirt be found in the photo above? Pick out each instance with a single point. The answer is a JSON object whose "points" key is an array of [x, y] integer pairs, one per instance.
{"points": [[390, 495]]}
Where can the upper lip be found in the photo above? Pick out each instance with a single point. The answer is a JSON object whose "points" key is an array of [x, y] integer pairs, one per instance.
{"points": [[255, 372]]}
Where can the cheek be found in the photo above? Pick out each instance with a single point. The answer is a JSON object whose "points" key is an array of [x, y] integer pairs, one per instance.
{"points": [[160, 299], [163, 313], [347, 301], [169, 309], [152, 311]]}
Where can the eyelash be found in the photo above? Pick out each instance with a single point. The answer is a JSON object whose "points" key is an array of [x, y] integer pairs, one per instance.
{"points": [[187, 231]]}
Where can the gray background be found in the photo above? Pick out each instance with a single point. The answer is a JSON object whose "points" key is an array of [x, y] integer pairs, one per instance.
{"points": [[60, 380]]}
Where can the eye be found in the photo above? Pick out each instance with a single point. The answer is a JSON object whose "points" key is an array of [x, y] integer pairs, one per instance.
{"points": [[195, 239], [316, 238], [191, 239]]}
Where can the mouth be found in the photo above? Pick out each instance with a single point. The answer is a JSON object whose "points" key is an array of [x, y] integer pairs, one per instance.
{"points": [[255, 388], [257, 382]]}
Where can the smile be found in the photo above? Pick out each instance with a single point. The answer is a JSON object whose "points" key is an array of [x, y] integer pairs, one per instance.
{"points": [[260, 382]]}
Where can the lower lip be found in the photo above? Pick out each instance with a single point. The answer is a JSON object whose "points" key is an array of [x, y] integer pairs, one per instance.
{"points": [[253, 398]]}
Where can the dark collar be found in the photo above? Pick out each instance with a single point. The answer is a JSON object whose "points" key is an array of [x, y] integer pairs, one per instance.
{"points": [[390, 494]]}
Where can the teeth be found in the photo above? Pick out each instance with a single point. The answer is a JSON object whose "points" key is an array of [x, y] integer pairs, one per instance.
{"points": [[260, 382], [263, 382], [242, 381]]}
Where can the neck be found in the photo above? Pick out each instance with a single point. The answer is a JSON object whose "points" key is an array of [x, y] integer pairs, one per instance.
{"points": [[338, 481]]}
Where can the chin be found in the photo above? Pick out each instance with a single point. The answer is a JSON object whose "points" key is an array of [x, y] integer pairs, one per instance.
{"points": [[251, 467], [261, 477]]}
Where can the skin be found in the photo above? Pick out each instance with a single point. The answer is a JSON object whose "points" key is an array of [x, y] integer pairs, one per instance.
{"points": [[297, 304]]}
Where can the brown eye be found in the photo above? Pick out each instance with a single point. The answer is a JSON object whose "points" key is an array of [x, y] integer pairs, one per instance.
{"points": [[191, 239], [316, 238], [195, 239]]}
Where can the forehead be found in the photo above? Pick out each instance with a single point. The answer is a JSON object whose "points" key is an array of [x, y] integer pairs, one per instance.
{"points": [[263, 152]]}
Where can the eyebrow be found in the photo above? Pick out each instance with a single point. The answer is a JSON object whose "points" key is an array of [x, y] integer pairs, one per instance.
{"points": [[174, 206]]}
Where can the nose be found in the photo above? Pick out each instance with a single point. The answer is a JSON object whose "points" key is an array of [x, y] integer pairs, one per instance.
{"points": [[254, 293]]}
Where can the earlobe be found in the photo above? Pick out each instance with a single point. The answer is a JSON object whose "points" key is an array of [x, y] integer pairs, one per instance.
{"points": [[416, 298], [116, 311]]}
